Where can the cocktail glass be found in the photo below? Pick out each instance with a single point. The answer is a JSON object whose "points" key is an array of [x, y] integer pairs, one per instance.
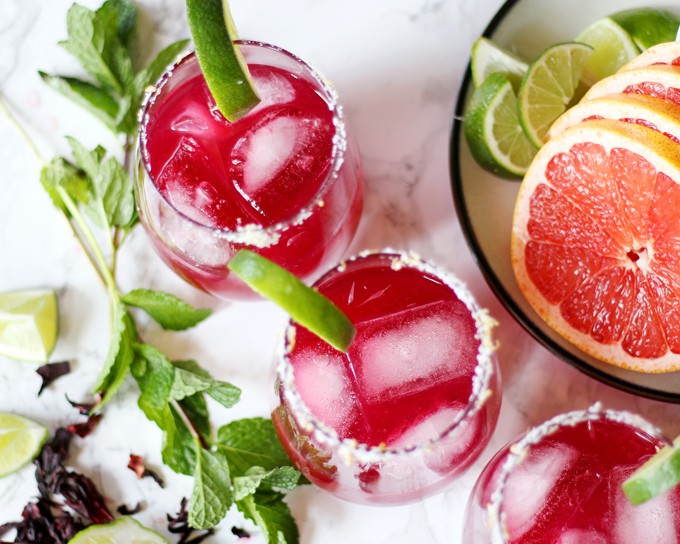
{"points": [[561, 483], [284, 181], [412, 403]]}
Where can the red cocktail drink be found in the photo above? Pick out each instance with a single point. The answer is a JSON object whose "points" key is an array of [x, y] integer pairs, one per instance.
{"points": [[561, 483], [284, 180], [414, 400]]}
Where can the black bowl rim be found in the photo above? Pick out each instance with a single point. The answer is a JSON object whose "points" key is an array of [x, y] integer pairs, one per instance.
{"points": [[487, 271]]}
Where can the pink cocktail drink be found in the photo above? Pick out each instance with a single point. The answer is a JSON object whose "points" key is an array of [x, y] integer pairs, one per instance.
{"points": [[284, 180], [414, 400], [561, 483]]}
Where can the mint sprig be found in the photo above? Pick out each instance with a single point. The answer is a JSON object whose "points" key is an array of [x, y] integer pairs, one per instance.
{"points": [[243, 465]]}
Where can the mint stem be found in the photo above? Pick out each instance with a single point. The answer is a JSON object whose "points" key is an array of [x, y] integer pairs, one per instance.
{"points": [[13, 121]]}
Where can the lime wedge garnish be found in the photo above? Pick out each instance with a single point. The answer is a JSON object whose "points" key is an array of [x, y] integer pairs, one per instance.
{"points": [[222, 63], [493, 132], [305, 305], [126, 530], [29, 324], [612, 48], [648, 26], [549, 86], [657, 475], [20, 442], [488, 58]]}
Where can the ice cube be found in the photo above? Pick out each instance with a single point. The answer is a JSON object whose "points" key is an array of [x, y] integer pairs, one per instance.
{"points": [[578, 536], [409, 351], [268, 148], [272, 88], [652, 521], [325, 388], [529, 487]]}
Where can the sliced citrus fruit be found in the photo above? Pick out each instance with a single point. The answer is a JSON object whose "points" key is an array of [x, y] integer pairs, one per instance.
{"points": [[222, 63], [305, 305], [596, 242], [20, 442], [488, 58], [657, 81], [29, 324], [126, 530], [612, 48], [658, 474], [663, 53], [492, 129], [648, 26], [549, 86], [660, 115]]}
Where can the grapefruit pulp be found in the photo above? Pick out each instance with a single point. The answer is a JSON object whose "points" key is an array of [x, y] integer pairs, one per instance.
{"points": [[596, 242]]}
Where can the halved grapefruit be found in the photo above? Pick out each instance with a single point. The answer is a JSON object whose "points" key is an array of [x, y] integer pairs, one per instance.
{"points": [[660, 115], [659, 81], [596, 242], [663, 53]]}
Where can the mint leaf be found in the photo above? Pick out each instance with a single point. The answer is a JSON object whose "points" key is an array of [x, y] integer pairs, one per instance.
{"points": [[120, 356], [167, 310], [154, 374], [256, 477], [152, 73], [211, 497], [251, 442], [61, 173], [121, 15], [96, 100], [87, 42], [179, 446], [190, 378], [272, 516], [196, 409], [114, 189]]}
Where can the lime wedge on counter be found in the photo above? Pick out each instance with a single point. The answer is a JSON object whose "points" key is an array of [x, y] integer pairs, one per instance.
{"points": [[305, 305], [488, 58], [657, 475], [126, 530], [20, 442], [612, 48], [493, 132], [549, 86], [222, 63], [648, 26], [29, 324]]}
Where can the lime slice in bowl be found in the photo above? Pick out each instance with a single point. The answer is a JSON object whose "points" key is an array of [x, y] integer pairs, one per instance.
{"points": [[549, 86], [612, 47], [648, 26], [222, 63], [304, 304], [488, 58], [492, 129], [126, 530], [659, 474], [20, 442], [29, 324]]}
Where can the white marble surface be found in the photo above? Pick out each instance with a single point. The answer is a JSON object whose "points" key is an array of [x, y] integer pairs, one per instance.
{"points": [[397, 65]]}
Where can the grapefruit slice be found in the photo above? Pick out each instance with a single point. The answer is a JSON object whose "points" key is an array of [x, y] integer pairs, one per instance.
{"points": [[596, 242], [663, 53], [657, 81], [660, 115]]}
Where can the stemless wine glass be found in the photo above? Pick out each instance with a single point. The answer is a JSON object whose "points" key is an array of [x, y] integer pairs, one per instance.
{"points": [[561, 483], [284, 181], [414, 400]]}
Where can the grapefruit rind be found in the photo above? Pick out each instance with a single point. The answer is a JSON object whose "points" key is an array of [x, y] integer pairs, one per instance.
{"points": [[665, 76], [662, 54], [660, 114], [663, 154]]}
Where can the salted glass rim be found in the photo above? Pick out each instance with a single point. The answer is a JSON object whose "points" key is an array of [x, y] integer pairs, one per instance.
{"points": [[254, 234], [485, 369], [519, 449]]}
